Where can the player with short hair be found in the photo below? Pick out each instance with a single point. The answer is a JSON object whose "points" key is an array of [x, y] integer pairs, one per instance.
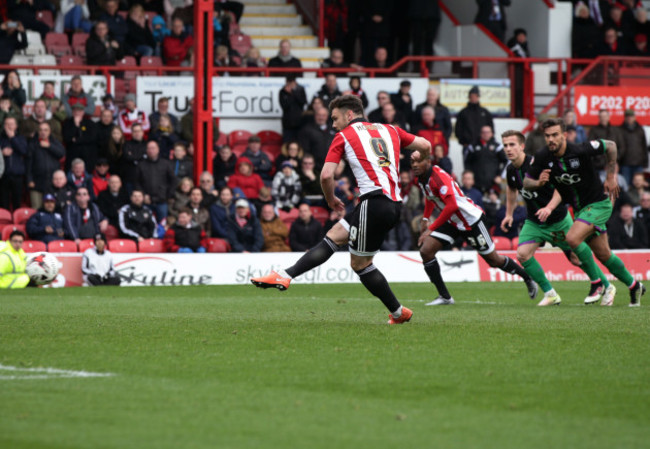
{"points": [[548, 221], [459, 217], [13, 262], [570, 167], [372, 151]]}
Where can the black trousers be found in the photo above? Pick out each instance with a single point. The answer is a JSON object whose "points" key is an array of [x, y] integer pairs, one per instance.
{"points": [[11, 191], [95, 280]]}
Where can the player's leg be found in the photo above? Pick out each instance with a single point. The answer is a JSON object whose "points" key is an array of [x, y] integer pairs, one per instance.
{"points": [[526, 257], [428, 251]]}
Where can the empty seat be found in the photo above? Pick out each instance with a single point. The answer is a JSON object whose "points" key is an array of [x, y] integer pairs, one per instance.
{"points": [[239, 136], [85, 244], [128, 61], [5, 216], [22, 214], [34, 43], [111, 233], [45, 17], [502, 243], [222, 140], [320, 214], [46, 60], [79, 44], [34, 246], [272, 155], [151, 246], [269, 137], [62, 246], [123, 87], [288, 217], [57, 44], [240, 43], [11, 228], [218, 245], [71, 60], [239, 148], [122, 246], [151, 61]]}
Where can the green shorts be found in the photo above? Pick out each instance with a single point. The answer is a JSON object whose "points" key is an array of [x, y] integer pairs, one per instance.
{"points": [[555, 233], [596, 214]]}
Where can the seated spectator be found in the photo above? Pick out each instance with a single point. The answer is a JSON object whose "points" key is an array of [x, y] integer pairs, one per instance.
{"points": [[185, 236], [442, 115], [12, 39], [329, 90], [200, 215], [29, 126], [160, 32], [73, 16], [80, 138], [100, 177], [310, 176], [223, 165], [133, 153], [101, 48], [210, 193], [165, 135], [131, 115], [116, 23], [261, 162], [46, 225], [79, 177], [54, 104], [223, 57], [155, 177], [77, 95], [253, 59], [274, 231], [244, 230], [63, 193], [220, 212], [136, 219], [263, 199], [291, 152], [82, 219], [286, 187], [182, 163], [335, 60], [9, 109], [111, 200], [356, 90], [612, 45], [250, 183], [177, 44], [306, 231], [380, 61], [163, 111], [315, 137], [97, 264], [430, 129], [14, 152], [181, 196], [467, 186], [44, 154], [403, 101], [638, 188], [441, 160], [284, 57], [139, 39], [627, 232], [12, 87]]}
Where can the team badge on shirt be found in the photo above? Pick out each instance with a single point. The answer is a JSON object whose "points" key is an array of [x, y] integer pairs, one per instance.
{"points": [[574, 163]]}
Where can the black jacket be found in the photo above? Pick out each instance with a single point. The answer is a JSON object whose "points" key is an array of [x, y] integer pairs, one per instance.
{"points": [[486, 160], [14, 164], [132, 154], [156, 179], [303, 236], [469, 122], [619, 239], [43, 161], [98, 53], [136, 36], [9, 43], [327, 96], [292, 105], [316, 141], [81, 142], [136, 222], [110, 204]]}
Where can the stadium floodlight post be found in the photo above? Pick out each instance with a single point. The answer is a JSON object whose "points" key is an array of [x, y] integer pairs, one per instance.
{"points": [[203, 66]]}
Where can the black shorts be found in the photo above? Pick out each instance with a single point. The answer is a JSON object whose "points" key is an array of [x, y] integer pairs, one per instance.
{"points": [[369, 223], [477, 237]]}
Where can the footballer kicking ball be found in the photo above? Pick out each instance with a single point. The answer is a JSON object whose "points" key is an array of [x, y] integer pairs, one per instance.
{"points": [[42, 267]]}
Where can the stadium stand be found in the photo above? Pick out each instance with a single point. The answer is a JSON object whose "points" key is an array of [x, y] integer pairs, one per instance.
{"points": [[85, 244], [71, 60], [320, 213], [62, 246], [122, 246], [502, 243], [151, 246], [11, 228], [57, 44], [34, 246], [218, 246], [5, 217], [46, 17], [128, 61], [111, 233], [150, 61], [22, 214], [79, 44]]}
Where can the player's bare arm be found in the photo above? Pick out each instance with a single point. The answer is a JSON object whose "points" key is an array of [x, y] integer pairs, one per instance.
{"points": [[327, 184], [611, 182], [547, 210], [511, 201], [420, 144], [534, 184]]}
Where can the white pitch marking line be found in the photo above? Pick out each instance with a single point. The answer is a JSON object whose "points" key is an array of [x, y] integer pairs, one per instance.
{"points": [[46, 373]]}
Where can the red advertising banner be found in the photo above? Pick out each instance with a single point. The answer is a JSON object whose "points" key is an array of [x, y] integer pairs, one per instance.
{"points": [[588, 100]]}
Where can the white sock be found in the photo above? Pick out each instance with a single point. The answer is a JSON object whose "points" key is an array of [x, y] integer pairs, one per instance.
{"points": [[551, 292], [284, 274], [397, 313]]}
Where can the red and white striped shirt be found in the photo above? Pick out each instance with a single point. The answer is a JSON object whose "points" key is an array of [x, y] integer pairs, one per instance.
{"points": [[126, 119], [372, 150], [441, 191]]}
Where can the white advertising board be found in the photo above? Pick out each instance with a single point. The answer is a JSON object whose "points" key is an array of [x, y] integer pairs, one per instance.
{"points": [[94, 85]]}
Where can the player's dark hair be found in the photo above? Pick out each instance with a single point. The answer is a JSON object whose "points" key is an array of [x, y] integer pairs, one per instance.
{"points": [[16, 232], [511, 132], [196, 188], [137, 190], [554, 122], [185, 210], [347, 102]]}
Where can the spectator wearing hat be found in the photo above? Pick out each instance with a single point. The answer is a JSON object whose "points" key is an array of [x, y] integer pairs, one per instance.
{"points": [[571, 133], [101, 48], [136, 221], [46, 225], [111, 200], [261, 162], [80, 138], [185, 236], [155, 177], [403, 101], [163, 111], [250, 183], [356, 90], [471, 119], [274, 230], [97, 264], [306, 231], [286, 187], [633, 157], [244, 230], [44, 153], [100, 176], [76, 94], [131, 115]]}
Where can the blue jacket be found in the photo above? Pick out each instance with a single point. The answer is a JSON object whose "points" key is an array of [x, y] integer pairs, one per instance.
{"points": [[14, 164], [72, 219], [41, 219], [219, 216]]}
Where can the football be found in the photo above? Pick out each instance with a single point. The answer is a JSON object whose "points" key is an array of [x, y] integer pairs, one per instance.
{"points": [[42, 267]]}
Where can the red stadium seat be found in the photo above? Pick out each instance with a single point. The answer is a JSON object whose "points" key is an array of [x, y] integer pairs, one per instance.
{"points": [[502, 243], [123, 87], [320, 213], [46, 17], [57, 44], [271, 155], [79, 44], [9, 229], [239, 148], [151, 246], [5, 216], [269, 137], [122, 246], [34, 246], [128, 61], [150, 61], [62, 246], [270, 148], [238, 137], [218, 246], [222, 140], [22, 214], [288, 217], [515, 243], [85, 244], [68, 60], [111, 233], [241, 43]]}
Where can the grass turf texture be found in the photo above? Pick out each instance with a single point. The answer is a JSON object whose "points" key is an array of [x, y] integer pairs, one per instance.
{"points": [[317, 367]]}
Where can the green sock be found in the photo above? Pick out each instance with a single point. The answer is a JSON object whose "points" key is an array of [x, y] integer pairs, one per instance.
{"points": [[535, 271], [589, 265], [616, 267]]}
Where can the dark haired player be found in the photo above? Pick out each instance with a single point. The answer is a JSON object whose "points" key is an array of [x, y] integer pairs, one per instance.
{"points": [[459, 217], [548, 221], [570, 168], [372, 151]]}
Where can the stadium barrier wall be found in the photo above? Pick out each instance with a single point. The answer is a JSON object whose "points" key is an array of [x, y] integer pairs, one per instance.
{"points": [[138, 269]]}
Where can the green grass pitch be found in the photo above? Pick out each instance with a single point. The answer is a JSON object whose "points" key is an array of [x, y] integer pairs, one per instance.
{"points": [[317, 367]]}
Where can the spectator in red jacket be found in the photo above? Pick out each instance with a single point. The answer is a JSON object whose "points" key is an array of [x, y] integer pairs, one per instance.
{"points": [[430, 130], [177, 45], [185, 236], [100, 176], [250, 183]]}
